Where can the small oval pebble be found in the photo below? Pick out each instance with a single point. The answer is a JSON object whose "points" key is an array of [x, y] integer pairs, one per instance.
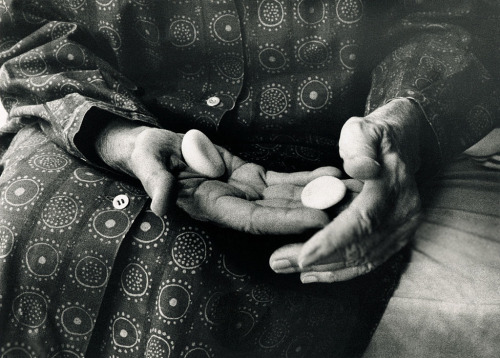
{"points": [[201, 155], [323, 192]]}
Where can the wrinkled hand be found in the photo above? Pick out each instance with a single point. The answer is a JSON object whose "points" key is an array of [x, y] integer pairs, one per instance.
{"points": [[244, 199], [381, 149]]}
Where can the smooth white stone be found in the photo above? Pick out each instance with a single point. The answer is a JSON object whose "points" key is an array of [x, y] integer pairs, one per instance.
{"points": [[201, 155], [323, 192]]}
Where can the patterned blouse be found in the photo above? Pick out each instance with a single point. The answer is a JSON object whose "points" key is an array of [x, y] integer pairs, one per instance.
{"points": [[273, 79]]}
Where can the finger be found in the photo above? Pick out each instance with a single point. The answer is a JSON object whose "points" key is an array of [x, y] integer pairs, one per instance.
{"points": [[334, 276], [356, 223], [287, 191], [353, 185], [157, 181], [227, 206], [358, 146], [253, 218], [280, 203], [232, 162], [285, 260], [300, 178]]}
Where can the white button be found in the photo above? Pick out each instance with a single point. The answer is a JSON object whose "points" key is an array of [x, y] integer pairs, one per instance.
{"points": [[213, 101], [120, 201]]}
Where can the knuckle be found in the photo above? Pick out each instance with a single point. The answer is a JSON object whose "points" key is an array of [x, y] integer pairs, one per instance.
{"points": [[366, 222], [329, 277]]}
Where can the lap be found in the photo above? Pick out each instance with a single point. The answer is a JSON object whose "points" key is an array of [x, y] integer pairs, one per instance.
{"points": [[447, 303], [131, 284]]}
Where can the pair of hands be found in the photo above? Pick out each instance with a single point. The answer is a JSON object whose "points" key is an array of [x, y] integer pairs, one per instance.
{"points": [[380, 150]]}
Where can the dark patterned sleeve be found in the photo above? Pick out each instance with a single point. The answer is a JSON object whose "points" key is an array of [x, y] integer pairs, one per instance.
{"points": [[52, 73], [440, 58]]}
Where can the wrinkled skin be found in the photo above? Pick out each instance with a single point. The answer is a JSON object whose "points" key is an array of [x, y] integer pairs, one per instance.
{"points": [[382, 150], [380, 153], [243, 199]]}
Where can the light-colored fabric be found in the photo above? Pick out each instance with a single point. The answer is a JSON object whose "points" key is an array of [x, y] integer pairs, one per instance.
{"points": [[487, 150], [448, 299]]}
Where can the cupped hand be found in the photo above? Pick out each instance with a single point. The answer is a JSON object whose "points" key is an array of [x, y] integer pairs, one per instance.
{"points": [[381, 149], [245, 198]]}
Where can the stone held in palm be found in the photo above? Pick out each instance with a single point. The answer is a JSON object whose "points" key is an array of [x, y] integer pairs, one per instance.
{"points": [[201, 154], [323, 192]]}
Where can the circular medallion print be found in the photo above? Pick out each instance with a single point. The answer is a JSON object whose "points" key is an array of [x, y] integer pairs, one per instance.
{"points": [[274, 335], [189, 250], [299, 347], [32, 64], [479, 118], [70, 55], [50, 162], [272, 58], [86, 176], [76, 320], [227, 28], [150, 229], [111, 224], [313, 52], [69, 88], [311, 11], [244, 323], [215, 309], [42, 259], [174, 301], [61, 29], [232, 268], [6, 241], [66, 354], [262, 293], [348, 56], [4, 46], [157, 347], [124, 333], [197, 353], [91, 272], [73, 4], [21, 192], [314, 94], [273, 101], [30, 309], [134, 280], [182, 33], [16, 352], [231, 66], [148, 31], [59, 212], [112, 35], [271, 13], [349, 11], [31, 12]]}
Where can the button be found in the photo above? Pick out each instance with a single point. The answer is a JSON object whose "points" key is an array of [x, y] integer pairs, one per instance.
{"points": [[120, 201], [213, 101]]}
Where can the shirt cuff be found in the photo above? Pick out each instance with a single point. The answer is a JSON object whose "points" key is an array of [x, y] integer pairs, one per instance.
{"points": [[76, 120]]}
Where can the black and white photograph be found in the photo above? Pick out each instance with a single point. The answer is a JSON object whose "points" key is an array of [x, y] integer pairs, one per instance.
{"points": [[249, 178]]}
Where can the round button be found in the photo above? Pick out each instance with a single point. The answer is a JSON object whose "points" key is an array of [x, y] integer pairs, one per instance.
{"points": [[213, 101], [120, 201]]}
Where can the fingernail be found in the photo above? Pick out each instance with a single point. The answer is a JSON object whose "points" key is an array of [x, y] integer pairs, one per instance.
{"points": [[309, 279], [282, 266]]}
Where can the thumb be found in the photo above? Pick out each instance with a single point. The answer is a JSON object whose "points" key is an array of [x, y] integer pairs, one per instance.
{"points": [[359, 147], [157, 181]]}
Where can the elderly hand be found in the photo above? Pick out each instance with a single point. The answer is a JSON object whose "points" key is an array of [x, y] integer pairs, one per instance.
{"points": [[381, 149], [243, 199]]}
